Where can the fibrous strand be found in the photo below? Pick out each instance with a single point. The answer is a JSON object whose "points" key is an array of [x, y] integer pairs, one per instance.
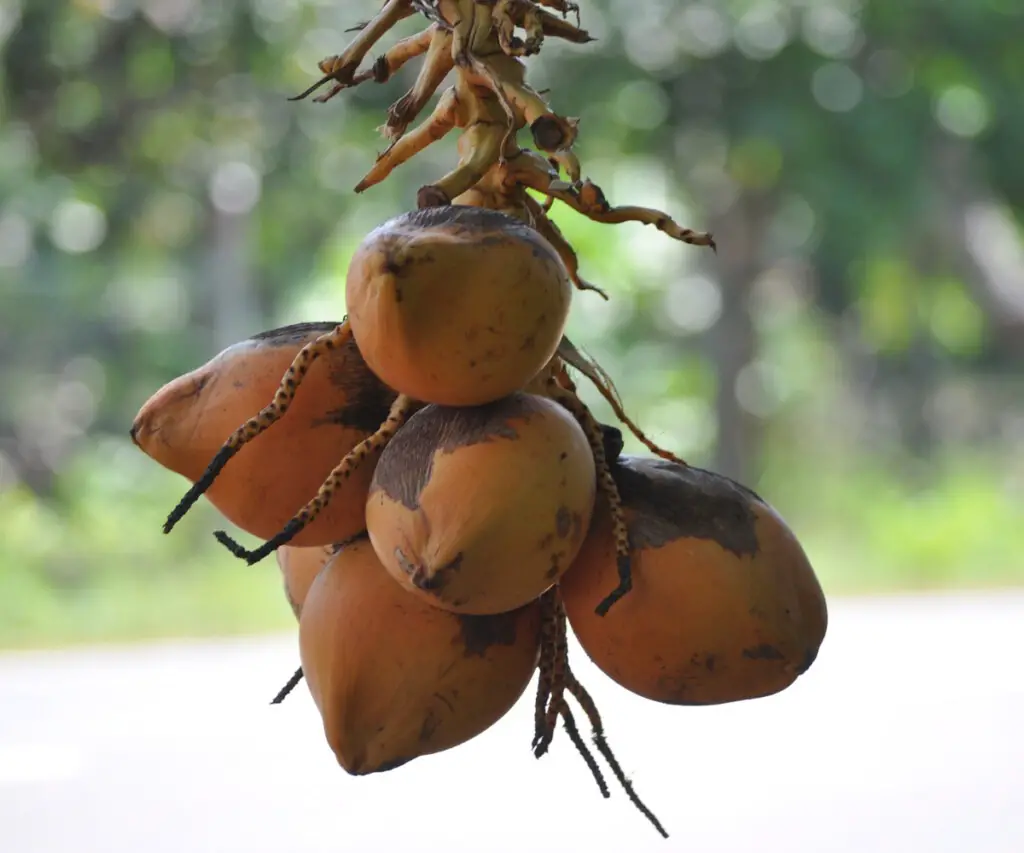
{"points": [[555, 680], [289, 686], [400, 411], [608, 487]]}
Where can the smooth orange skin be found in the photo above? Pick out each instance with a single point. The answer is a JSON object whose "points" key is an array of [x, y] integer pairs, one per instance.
{"points": [[395, 679], [513, 513], [701, 625], [183, 425], [457, 314], [299, 568]]}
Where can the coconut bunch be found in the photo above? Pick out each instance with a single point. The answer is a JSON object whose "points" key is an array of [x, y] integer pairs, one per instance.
{"points": [[442, 504]]}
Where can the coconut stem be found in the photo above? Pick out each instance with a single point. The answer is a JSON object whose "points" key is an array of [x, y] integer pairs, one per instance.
{"points": [[263, 420]]}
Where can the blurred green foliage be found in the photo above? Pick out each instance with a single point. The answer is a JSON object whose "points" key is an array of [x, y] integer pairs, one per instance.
{"points": [[854, 352]]}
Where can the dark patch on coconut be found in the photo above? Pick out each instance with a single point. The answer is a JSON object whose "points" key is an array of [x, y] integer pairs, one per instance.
{"points": [[195, 388], [367, 399], [287, 335], [406, 463], [394, 764], [337, 547], [199, 384], [682, 702], [563, 522], [764, 651], [479, 633], [295, 606], [809, 657], [472, 223], [611, 438], [672, 501], [678, 686], [673, 688], [431, 723], [461, 216], [577, 527], [490, 240], [393, 265], [439, 578]]}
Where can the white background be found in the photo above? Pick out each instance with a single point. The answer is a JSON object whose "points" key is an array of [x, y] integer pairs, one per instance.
{"points": [[906, 735]]}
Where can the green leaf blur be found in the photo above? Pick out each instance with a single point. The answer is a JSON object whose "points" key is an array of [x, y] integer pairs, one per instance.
{"points": [[854, 352]]}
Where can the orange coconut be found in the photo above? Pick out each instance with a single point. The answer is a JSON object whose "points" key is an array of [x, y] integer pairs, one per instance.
{"points": [[724, 605], [482, 509], [394, 678], [457, 305], [340, 403], [299, 568]]}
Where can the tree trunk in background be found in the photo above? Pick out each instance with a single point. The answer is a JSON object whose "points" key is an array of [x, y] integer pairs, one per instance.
{"points": [[234, 312], [920, 363], [733, 345], [981, 237], [26, 466]]}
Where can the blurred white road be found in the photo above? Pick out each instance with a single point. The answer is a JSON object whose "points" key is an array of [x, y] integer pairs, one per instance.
{"points": [[907, 735]]}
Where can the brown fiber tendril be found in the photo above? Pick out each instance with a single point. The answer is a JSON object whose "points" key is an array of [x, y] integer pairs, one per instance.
{"points": [[551, 232], [581, 747], [264, 419], [560, 675], [557, 679], [580, 694], [291, 684], [603, 382], [606, 483], [400, 411], [546, 664], [551, 683]]}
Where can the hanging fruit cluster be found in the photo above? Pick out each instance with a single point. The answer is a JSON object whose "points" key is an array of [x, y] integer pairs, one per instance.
{"points": [[440, 501]]}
